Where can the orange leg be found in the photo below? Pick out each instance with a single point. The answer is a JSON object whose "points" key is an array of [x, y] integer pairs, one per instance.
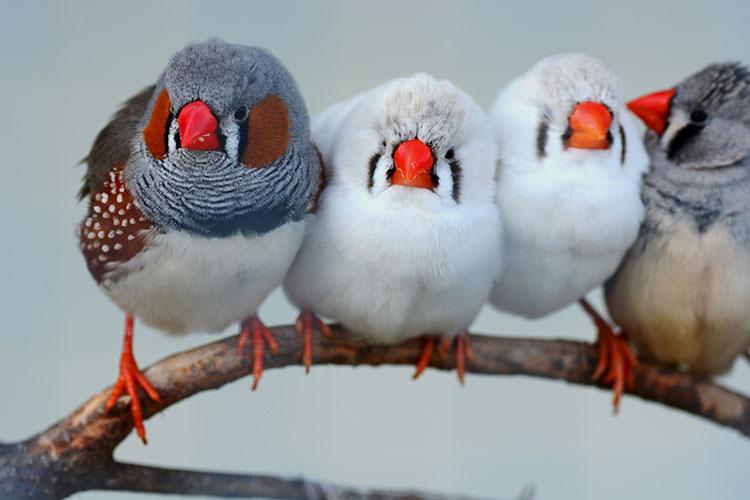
{"points": [[616, 358], [305, 325], [428, 345], [253, 328], [129, 379], [462, 351]]}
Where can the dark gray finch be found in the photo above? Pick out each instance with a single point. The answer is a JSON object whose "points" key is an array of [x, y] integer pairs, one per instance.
{"points": [[198, 190], [682, 293]]}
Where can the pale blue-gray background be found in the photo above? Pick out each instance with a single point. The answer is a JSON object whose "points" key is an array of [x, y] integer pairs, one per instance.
{"points": [[65, 68]]}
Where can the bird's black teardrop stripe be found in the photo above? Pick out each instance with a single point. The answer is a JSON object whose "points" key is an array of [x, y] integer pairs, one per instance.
{"points": [[541, 139]]}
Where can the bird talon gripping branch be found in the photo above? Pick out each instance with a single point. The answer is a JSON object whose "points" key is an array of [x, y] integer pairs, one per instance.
{"points": [[461, 352], [129, 380], [615, 364], [306, 324], [428, 346], [260, 336]]}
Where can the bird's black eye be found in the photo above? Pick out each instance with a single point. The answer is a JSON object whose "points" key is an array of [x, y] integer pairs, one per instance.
{"points": [[698, 117], [450, 154], [240, 114]]}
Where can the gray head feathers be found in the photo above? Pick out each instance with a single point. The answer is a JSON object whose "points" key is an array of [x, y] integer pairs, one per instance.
{"points": [[438, 114], [265, 171], [420, 106], [720, 88], [566, 79], [707, 137]]}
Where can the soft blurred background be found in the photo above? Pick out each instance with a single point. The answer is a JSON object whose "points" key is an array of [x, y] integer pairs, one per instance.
{"points": [[67, 66]]}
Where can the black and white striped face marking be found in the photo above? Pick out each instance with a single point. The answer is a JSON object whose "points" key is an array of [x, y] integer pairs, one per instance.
{"points": [[578, 102], [553, 137], [225, 145], [707, 125], [232, 134], [414, 141], [430, 113], [445, 173]]}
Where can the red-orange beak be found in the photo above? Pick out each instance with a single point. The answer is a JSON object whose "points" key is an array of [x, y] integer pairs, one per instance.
{"points": [[414, 162], [653, 109], [589, 126], [197, 126]]}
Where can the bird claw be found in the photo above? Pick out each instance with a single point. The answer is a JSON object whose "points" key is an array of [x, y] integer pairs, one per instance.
{"points": [[616, 360], [305, 326], [428, 345], [615, 364], [462, 352], [254, 329], [129, 380]]}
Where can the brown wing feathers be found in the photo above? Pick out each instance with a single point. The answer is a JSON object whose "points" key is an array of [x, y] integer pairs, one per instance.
{"points": [[113, 144], [114, 230]]}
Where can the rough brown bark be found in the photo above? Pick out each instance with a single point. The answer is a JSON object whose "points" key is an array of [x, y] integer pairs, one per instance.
{"points": [[75, 454]]}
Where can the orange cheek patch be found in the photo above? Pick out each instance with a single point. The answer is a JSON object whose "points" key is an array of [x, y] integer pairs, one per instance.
{"points": [[268, 132], [155, 133]]}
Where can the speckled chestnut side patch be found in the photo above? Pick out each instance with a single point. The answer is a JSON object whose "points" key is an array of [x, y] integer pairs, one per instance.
{"points": [[114, 230]]}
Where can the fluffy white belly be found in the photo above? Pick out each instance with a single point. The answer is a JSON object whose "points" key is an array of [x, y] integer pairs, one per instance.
{"points": [[184, 283], [382, 314], [385, 310], [538, 282], [392, 276], [686, 299]]}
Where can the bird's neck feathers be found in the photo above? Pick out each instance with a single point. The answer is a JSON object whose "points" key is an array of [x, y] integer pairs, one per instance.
{"points": [[215, 197]]}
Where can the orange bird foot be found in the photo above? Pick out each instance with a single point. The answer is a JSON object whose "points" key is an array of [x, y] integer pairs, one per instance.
{"points": [[616, 361], [305, 326], [461, 349], [130, 379], [253, 328]]}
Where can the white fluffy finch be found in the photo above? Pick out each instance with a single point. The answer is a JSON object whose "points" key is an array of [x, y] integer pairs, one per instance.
{"points": [[683, 292], [407, 237], [571, 162]]}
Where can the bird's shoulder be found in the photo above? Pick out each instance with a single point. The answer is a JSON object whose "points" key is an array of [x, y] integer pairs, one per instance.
{"points": [[112, 146]]}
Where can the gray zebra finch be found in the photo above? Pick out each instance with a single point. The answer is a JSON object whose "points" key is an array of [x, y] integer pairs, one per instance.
{"points": [[198, 190], [682, 293]]}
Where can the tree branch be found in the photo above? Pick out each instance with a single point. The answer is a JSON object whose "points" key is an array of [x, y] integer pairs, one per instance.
{"points": [[75, 454], [142, 478]]}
